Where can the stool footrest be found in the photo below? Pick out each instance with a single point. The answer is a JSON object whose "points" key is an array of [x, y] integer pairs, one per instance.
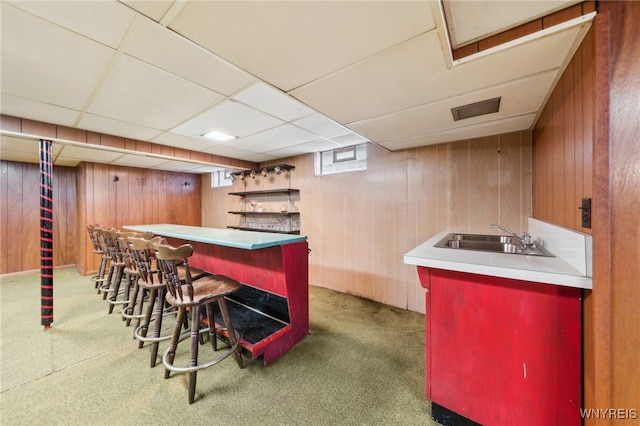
{"points": [[202, 366]]}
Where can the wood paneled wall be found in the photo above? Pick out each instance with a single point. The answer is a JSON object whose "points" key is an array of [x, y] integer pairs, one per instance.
{"points": [[87, 195], [563, 144], [361, 224], [20, 216], [138, 196]]}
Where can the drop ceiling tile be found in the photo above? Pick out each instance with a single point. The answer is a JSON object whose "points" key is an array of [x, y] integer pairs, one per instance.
{"points": [[273, 139], [44, 62], [95, 155], [207, 169], [184, 142], [40, 111], [260, 158], [135, 160], [517, 97], [349, 139], [291, 43], [137, 92], [15, 144], [227, 150], [161, 47], [507, 125], [67, 162], [414, 74], [99, 124], [102, 21], [321, 126], [177, 166], [395, 79], [273, 101], [153, 9], [229, 117], [305, 148]]}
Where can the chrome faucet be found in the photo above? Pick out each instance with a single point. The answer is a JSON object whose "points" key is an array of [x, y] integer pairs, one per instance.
{"points": [[525, 239]]}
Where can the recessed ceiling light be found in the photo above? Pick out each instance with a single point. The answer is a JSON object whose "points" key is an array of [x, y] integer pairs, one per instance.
{"points": [[219, 136], [473, 110]]}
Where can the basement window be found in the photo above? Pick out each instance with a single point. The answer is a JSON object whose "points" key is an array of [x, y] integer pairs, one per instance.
{"points": [[341, 160], [221, 178]]}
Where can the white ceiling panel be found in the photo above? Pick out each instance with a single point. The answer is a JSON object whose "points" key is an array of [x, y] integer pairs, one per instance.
{"points": [[272, 101], [229, 117], [178, 166], [437, 116], [261, 158], [104, 21], [305, 148], [135, 160], [155, 10], [152, 43], [272, 139], [397, 78], [184, 142], [88, 153], [117, 128], [140, 93], [349, 139], [228, 150], [35, 67], [507, 125], [291, 43], [40, 111], [321, 126]]}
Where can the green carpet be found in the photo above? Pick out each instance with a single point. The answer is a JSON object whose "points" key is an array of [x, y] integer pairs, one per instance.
{"points": [[362, 364]]}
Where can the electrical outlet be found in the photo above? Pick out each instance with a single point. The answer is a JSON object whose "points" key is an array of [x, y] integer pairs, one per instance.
{"points": [[586, 213]]}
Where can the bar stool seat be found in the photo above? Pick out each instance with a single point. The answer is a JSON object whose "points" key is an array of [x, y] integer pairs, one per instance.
{"points": [[185, 294]]}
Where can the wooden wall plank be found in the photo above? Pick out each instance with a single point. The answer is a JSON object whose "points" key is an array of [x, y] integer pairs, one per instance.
{"points": [[563, 139], [361, 224]]}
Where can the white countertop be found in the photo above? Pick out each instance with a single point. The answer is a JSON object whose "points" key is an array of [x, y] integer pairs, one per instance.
{"points": [[249, 240], [547, 270]]}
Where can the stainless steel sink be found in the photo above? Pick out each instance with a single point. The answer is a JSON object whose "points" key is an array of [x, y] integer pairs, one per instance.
{"points": [[491, 243]]}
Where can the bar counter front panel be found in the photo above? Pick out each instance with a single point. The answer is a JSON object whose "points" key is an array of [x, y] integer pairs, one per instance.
{"points": [[271, 311]]}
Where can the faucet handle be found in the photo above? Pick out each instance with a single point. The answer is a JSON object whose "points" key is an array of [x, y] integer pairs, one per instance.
{"points": [[527, 239]]}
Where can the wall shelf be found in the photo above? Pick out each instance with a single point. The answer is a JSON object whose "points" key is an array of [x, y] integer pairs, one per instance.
{"points": [[276, 214]]}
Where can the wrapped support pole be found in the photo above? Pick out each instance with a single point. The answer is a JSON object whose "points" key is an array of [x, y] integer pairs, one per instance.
{"points": [[46, 233]]}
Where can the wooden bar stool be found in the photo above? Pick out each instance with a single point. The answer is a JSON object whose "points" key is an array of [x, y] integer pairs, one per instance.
{"points": [[97, 249], [185, 294], [139, 260], [150, 282], [107, 238]]}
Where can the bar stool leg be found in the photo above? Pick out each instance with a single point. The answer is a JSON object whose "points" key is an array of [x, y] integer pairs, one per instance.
{"points": [[147, 316], [195, 341], [158, 325], [222, 303], [175, 338], [212, 326]]}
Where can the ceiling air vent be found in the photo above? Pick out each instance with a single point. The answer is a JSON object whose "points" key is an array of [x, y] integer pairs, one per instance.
{"points": [[473, 110]]}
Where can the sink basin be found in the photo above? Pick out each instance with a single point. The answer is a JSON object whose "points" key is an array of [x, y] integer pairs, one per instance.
{"points": [[491, 243]]}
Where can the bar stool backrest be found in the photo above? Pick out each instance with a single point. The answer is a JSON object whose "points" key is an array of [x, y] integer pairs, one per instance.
{"points": [[169, 259], [92, 229], [142, 254]]}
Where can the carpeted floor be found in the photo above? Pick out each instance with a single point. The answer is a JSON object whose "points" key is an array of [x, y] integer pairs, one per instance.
{"points": [[362, 364]]}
